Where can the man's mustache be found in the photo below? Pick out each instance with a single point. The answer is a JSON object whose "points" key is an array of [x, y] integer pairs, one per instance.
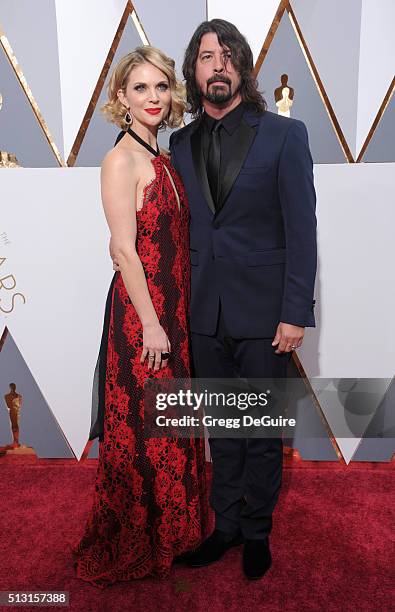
{"points": [[218, 79]]}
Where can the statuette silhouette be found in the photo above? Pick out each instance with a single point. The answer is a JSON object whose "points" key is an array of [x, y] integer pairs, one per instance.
{"points": [[284, 96], [13, 402]]}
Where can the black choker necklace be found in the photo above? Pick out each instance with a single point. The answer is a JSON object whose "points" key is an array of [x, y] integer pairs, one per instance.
{"points": [[144, 144]]}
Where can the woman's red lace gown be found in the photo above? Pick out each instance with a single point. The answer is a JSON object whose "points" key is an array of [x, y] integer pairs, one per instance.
{"points": [[150, 497]]}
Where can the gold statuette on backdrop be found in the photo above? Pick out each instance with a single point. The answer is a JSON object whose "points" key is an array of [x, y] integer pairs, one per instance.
{"points": [[13, 401], [284, 96], [7, 160]]}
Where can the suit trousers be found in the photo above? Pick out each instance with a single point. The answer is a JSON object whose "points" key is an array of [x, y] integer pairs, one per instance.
{"points": [[247, 473]]}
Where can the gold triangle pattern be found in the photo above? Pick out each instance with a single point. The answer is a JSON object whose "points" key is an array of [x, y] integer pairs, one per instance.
{"points": [[377, 119], [3, 338], [317, 405], [129, 11], [23, 82], [285, 6]]}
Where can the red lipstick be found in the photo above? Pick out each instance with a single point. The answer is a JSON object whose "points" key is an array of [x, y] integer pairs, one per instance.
{"points": [[153, 111]]}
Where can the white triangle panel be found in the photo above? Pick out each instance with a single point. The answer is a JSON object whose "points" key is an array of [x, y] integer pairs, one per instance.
{"points": [[59, 259], [285, 56], [355, 298], [376, 62], [348, 446], [163, 29], [349, 406], [30, 28], [85, 33], [331, 31], [252, 17]]}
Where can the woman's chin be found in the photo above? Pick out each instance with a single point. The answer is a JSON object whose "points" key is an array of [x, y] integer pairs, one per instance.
{"points": [[152, 121]]}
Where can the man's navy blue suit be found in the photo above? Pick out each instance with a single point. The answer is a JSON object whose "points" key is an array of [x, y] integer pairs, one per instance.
{"points": [[253, 265], [258, 253]]}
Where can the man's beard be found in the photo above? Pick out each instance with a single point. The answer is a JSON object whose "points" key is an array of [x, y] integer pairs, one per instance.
{"points": [[218, 94]]}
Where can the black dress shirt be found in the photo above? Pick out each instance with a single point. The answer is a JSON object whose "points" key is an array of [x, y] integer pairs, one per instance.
{"points": [[228, 137]]}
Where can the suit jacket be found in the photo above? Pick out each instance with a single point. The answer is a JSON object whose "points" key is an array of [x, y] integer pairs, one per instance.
{"points": [[257, 254]]}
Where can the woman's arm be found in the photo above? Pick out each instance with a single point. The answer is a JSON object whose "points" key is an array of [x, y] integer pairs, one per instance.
{"points": [[118, 188]]}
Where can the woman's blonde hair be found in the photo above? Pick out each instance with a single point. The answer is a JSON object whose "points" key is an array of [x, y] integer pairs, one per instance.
{"points": [[115, 110]]}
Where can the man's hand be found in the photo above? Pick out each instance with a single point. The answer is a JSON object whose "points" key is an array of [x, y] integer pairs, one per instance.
{"points": [[288, 337], [115, 265]]}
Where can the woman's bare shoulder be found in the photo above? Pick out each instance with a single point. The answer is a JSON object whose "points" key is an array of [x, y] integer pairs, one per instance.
{"points": [[118, 158], [122, 162]]}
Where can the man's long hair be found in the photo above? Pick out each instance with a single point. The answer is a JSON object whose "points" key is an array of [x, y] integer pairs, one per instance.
{"points": [[242, 59]]}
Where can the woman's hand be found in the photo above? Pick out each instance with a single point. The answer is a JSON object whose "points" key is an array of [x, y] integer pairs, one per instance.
{"points": [[115, 264], [155, 342]]}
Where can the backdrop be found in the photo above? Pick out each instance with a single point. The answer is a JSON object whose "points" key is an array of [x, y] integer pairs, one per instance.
{"points": [[55, 60]]}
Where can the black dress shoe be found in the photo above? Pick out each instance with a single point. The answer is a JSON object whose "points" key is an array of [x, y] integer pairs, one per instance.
{"points": [[183, 557], [213, 549], [256, 558]]}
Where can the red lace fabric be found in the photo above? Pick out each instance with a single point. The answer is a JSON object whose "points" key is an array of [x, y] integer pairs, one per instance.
{"points": [[150, 497]]}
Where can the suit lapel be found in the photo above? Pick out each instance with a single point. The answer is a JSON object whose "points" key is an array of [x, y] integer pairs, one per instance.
{"points": [[245, 136], [200, 166]]}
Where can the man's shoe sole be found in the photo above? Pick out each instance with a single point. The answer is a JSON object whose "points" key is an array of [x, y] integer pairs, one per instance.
{"points": [[237, 542], [252, 577]]}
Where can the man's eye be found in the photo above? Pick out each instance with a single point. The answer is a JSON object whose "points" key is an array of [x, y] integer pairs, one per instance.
{"points": [[205, 58], [227, 54]]}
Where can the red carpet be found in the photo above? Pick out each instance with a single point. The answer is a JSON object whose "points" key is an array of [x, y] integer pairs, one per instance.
{"points": [[331, 544]]}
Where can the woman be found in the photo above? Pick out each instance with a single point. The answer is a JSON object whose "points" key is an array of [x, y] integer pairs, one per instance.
{"points": [[150, 501]]}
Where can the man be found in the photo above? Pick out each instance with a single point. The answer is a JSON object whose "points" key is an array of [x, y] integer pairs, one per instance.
{"points": [[248, 174]]}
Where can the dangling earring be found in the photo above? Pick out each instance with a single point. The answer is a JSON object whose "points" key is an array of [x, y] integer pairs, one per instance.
{"points": [[128, 118]]}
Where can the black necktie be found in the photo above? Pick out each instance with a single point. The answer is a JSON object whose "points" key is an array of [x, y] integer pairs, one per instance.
{"points": [[214, 162]]}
